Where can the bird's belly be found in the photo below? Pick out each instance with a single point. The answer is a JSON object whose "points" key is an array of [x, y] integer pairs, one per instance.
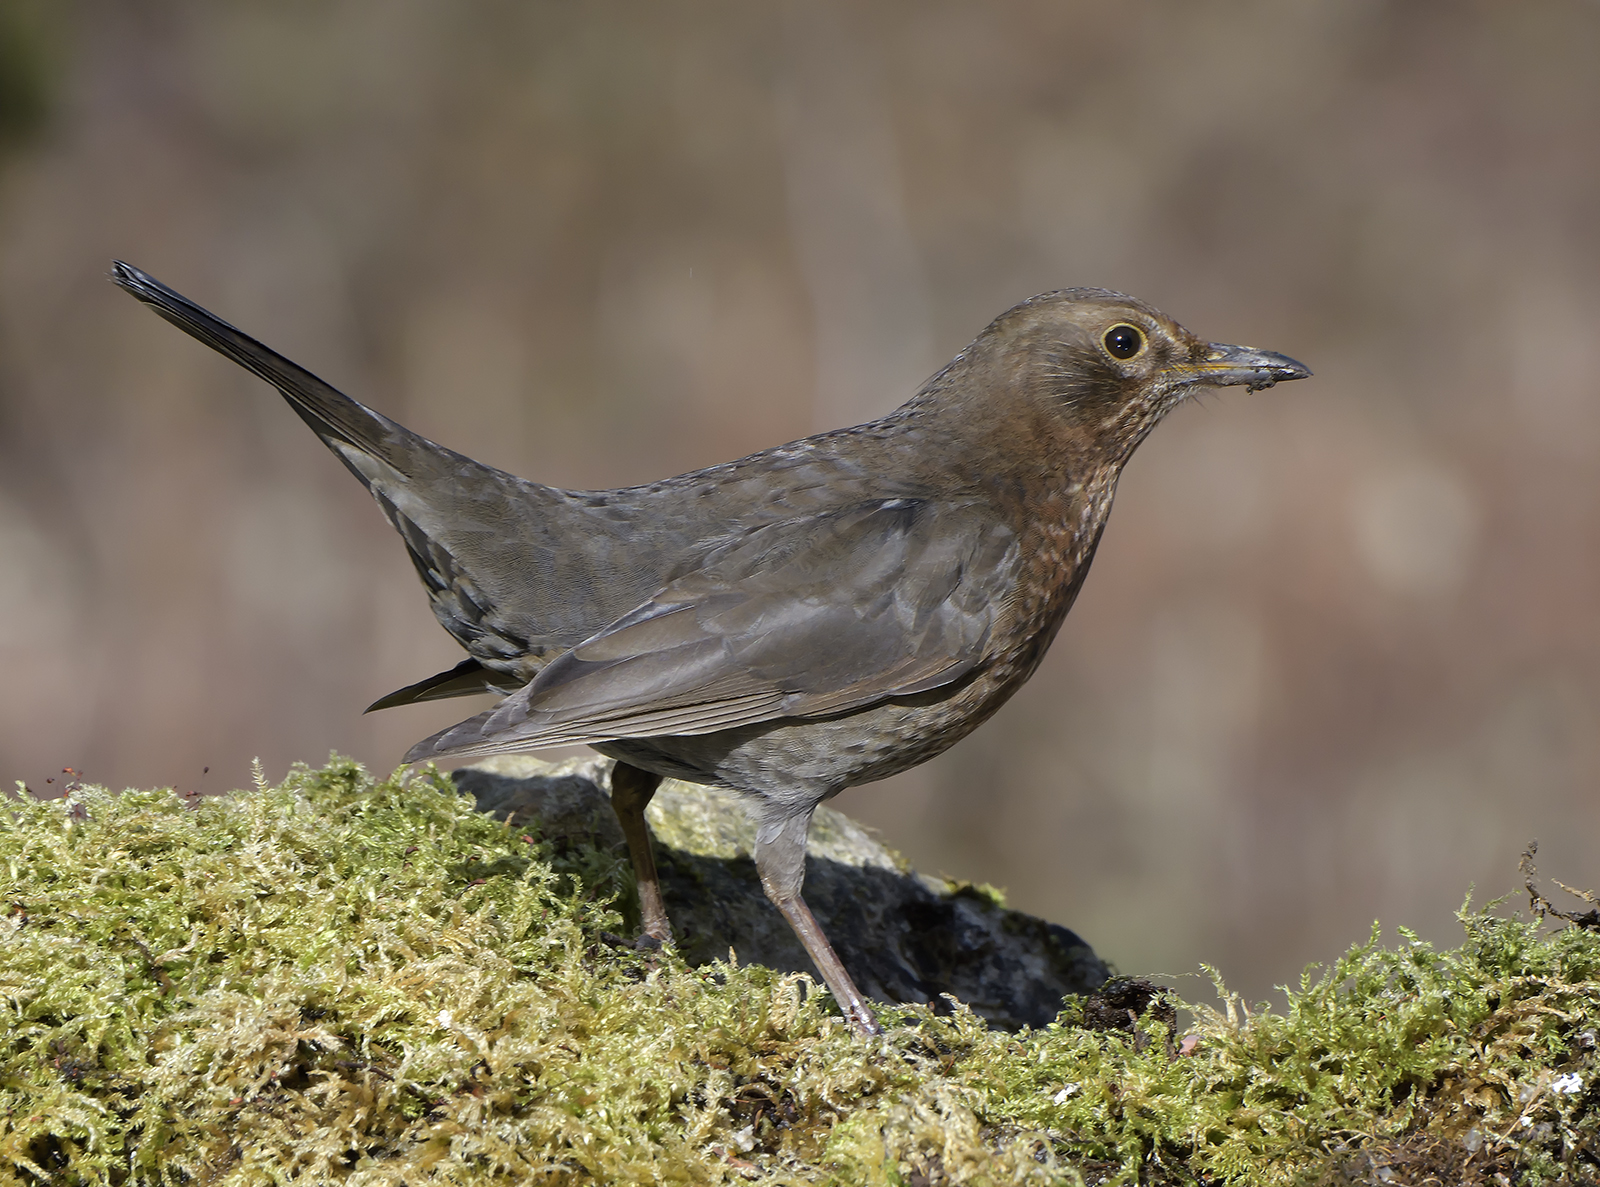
{"points": [[794, 763]]}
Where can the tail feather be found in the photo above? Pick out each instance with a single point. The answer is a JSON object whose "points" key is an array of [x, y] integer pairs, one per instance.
{"points": [[432, 495], [332, 415], [468, 678], [513, 569]]}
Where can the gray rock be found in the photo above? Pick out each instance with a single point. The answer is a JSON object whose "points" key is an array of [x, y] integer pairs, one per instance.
{"points": [[904, 936]]}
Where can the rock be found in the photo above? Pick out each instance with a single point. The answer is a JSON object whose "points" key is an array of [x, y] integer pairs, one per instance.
{"points": [[904, 936]]}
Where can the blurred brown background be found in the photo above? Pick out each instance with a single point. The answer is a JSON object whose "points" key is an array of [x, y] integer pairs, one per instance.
{"points": [[1340, 654]]}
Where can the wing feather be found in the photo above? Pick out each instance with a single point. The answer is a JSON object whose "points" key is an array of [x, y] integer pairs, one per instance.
{"points": [[802, 618]]}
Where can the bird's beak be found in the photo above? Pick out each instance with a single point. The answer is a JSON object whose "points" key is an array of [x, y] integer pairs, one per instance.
{"points": [[1224, 365]]}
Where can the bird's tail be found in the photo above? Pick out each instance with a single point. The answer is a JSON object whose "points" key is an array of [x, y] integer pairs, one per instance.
{"points": [[341, 422], [460, 520]]}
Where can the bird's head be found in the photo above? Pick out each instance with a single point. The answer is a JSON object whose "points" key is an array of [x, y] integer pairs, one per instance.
{"points": [[1107, 367]]}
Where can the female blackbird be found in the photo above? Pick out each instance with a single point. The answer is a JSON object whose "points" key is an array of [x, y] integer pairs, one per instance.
{"points": [[809, 618]]}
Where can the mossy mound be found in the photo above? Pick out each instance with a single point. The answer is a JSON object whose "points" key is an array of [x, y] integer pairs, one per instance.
{"points": [[905, 937], [353, 981]]}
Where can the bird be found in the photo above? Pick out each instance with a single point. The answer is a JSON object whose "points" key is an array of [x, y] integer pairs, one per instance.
{"points": [[812, 617]]}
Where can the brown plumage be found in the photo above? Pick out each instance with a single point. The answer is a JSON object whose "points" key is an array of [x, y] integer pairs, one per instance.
{"points": [[812, 617]]}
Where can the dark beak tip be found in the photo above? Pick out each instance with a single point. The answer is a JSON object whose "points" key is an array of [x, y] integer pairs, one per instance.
{"points": [[1292, 369], [1281, 372]]}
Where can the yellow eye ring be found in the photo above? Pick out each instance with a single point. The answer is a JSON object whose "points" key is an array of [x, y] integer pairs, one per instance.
{"points": [[1123, 341]]}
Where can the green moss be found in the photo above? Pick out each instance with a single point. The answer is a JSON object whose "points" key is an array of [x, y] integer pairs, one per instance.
{"points": [[368, 982]]}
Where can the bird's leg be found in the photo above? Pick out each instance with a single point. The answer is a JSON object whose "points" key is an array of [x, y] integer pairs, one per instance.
{"points": [[781, 862], [631, 790]]}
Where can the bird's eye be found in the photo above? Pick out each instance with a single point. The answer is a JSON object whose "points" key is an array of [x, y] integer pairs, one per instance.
{"points": [[1123, 342]]}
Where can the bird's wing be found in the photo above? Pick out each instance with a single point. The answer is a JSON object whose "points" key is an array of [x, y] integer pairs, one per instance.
{"points": [[801, 618]]}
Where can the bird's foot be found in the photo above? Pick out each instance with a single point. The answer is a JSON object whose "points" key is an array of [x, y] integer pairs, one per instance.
{"points": [[852, 1004]]}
